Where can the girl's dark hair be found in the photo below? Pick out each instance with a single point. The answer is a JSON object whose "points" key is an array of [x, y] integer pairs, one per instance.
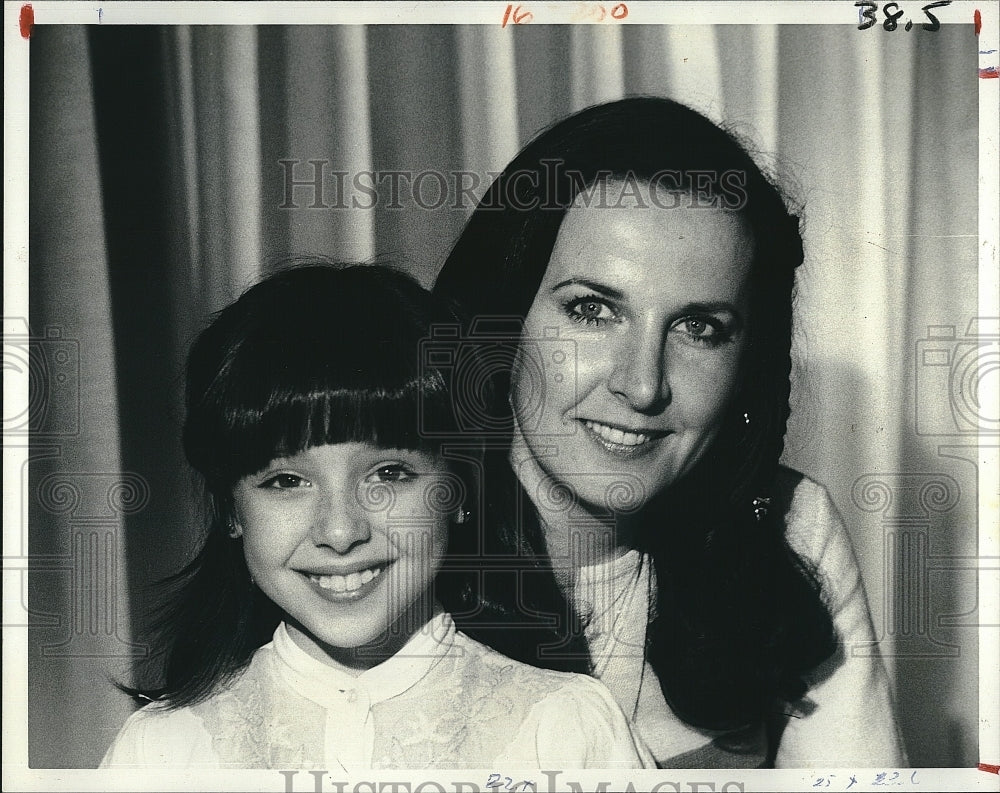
{"points": [[315, 354], [740, 619]]}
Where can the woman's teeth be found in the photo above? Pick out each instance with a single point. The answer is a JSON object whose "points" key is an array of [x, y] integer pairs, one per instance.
{"points": [[612, 435], [346, 583]]}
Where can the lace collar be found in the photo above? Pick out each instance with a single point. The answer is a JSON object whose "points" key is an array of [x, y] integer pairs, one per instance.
{"points": [[325, 685]]}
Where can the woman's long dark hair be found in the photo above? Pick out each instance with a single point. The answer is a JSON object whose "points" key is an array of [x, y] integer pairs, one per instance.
{"points": [[315, 354], [740, 619]]}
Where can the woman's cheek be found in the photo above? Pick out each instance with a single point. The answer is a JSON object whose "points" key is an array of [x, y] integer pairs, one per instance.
{"points": [[595, 360]]}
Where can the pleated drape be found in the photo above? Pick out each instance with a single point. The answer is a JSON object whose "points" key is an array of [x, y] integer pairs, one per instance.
{"points": [[222, 151], [77, 490]]}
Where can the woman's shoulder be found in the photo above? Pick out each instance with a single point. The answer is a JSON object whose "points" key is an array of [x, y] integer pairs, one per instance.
{"points": [[797, 492], [813, 525], [816, 532]]}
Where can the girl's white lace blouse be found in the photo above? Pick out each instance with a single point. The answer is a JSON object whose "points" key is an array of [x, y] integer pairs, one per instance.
{"points": [[444, 701]]}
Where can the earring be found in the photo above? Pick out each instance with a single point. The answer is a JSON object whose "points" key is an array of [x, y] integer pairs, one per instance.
{"points": [[760, 507], [746, 417], [462, 516], [234, 530]]}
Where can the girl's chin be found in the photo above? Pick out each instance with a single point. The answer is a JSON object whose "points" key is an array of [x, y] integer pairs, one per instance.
{"points": [[350, 648]]}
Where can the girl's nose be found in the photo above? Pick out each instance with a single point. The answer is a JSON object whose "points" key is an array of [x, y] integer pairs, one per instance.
{"points": [[341, 524]]}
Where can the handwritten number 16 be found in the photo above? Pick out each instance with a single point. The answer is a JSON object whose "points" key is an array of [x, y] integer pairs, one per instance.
{"points": [[893, 12]]}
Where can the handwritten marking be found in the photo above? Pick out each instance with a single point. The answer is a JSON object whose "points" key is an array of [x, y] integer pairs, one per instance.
{"points": [[27, 20], [868, 15], [989, 73], [989, 769], [516, 15], [582, 12], [977, 20], [494, 783], [881, 779]]}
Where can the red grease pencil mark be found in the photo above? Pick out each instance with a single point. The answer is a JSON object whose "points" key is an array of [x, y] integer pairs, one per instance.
{"points": [[989, 769], [27, 20], [989, 73], [977, 18]]}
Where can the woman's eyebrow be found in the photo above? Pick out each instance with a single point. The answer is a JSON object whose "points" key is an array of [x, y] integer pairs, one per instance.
{"points": [[713, 307], [597, 287]]}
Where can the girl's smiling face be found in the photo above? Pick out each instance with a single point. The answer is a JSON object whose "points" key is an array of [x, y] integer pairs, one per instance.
{"points": [[347, 539], [655, 303]]}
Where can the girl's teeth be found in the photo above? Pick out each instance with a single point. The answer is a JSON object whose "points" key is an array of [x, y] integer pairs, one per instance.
{"points": [[346, 583], [612, 435]]}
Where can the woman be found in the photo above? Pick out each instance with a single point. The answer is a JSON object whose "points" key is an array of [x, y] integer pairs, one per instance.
{"points": [[643, 409]]}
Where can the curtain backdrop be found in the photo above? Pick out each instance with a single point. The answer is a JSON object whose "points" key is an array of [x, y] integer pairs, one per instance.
{"points": [[171, 167]]}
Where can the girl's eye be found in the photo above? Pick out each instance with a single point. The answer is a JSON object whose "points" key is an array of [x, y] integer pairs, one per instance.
{"points": [[589, 311], [395, 472], [284, 482]]}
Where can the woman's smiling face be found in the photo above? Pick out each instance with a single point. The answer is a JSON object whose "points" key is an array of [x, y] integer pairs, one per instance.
{"points": [[346, 538], [655, 302]]}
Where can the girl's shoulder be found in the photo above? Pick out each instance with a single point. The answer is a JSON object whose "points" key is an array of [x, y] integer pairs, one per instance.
{"points": [[155, 735], [160, 734], [547, 718], [526, 681]]}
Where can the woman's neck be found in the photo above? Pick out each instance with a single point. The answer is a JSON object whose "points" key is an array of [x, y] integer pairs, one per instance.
{"points": [[575, 537]]}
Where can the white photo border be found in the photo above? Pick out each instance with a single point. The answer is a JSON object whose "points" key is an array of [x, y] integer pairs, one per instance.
{"points": [[17, 775]]}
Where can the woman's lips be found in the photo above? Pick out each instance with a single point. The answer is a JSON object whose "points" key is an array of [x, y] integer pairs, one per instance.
{"points": [[623, 443]]}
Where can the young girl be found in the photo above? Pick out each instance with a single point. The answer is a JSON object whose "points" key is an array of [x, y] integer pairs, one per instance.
{"points": [[311, 631]]}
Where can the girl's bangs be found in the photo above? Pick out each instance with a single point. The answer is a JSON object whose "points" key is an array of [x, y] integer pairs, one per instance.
{"points": [[315, 355], [313, 401], [386, 418]]}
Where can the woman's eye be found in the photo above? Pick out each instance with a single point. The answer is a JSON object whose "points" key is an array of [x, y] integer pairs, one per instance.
{"points": [[395, 472], [590, 311], [284, 482], [702, 330]]}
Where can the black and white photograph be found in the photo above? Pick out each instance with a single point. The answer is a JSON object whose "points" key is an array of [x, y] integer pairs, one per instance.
{"points": [[501, 397]]}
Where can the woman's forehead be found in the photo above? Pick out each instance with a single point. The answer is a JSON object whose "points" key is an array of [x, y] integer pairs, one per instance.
{"points": [[642, 243]]}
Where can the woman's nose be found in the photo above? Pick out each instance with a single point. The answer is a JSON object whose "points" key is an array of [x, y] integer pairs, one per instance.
{"points": [[340, 524], [639, 374]]}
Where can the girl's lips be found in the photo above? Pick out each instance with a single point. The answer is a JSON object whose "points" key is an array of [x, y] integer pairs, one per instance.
{"points": [[352, 586]]}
